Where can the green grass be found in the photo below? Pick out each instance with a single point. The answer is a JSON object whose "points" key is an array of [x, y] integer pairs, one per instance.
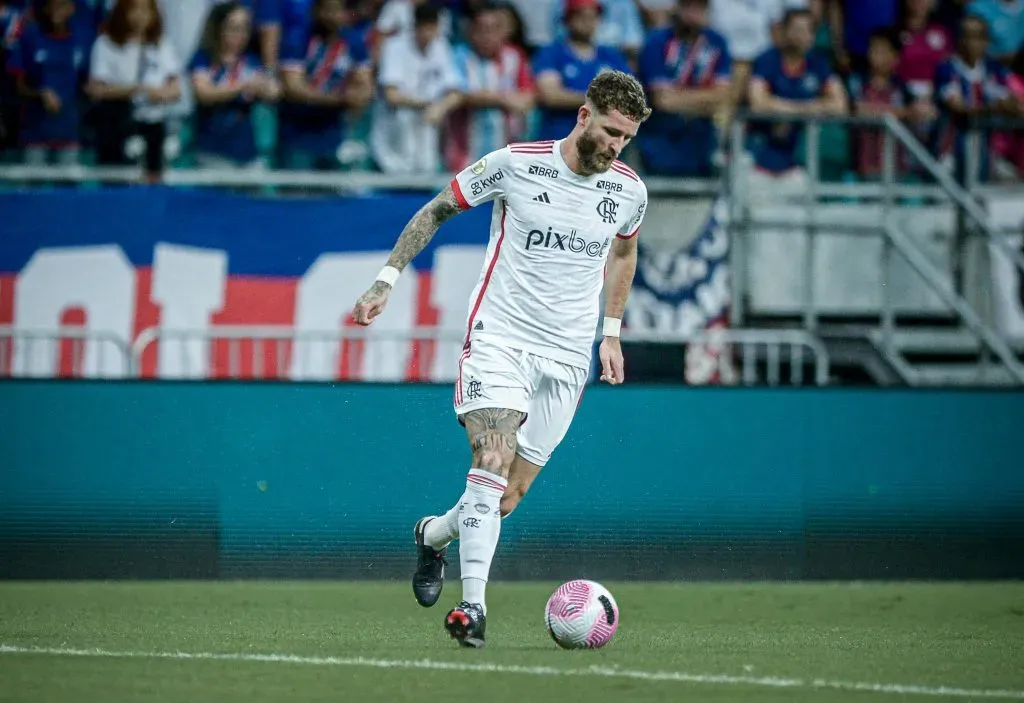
{"points": [[955, 635]]}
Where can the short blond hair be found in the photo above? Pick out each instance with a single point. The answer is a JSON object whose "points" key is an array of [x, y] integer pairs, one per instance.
{"points": [[616, 90]]}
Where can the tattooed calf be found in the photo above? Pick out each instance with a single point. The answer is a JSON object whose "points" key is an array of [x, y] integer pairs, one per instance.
{"points": [[492, 438]]}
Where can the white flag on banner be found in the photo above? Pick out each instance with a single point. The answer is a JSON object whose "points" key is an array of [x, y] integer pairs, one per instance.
{"points": [[688, 290]]}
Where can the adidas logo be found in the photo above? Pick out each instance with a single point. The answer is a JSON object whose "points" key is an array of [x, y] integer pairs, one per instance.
{"points": [[543, 198], [479, 325]]}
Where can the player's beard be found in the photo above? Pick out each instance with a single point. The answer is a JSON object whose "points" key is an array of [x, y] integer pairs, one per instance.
{"points": [[591, 160]]}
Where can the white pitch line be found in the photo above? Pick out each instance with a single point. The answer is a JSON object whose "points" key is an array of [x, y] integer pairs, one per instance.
{"points": [[608, 672]]}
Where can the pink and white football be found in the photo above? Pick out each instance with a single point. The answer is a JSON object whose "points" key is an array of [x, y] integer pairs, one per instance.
{"points": [[581, 614]]}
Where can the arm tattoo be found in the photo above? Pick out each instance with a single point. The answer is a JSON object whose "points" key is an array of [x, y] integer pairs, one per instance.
{"points": [[422, 227], [493, 431]]}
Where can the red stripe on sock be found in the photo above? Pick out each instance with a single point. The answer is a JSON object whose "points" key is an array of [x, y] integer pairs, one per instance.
{"points": [[486, 482]]}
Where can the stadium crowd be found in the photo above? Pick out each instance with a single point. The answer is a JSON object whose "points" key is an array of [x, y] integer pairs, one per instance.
{"points": [[422, 86]]}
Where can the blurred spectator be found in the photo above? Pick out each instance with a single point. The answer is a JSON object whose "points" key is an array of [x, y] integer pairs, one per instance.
{"points": [[875, 93], [363, 21], [189, 18], [852, 25], [1005, 19], [184, 21], [396, 17], [418, 88], [564, 70], [326, 72], [294, 16], [541, 21], [512, 28], [90, 16], [621, 26], [925, 44], [823, 41], [497, 87], [50, 62], [228, 81], [133, 78], [656, 13], [972, 85], [750, 27], [1010, 145], [11, 19], [791, 80], [948, 13], [687, 69], [268, 20]]}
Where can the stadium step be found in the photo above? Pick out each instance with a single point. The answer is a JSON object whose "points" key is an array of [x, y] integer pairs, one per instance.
{"points": [[938, 341], [945, 357], [960, 375]]}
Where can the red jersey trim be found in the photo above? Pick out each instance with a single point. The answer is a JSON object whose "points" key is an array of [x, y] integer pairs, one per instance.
{"points": [[459, 197], [487, 276], [625, 170], [532, 147]]}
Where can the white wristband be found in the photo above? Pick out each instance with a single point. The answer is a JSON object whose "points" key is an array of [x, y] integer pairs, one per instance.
{"points": [[389, 274], [612, 326]]}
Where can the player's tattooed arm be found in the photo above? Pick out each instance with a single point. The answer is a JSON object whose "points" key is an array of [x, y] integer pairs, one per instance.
{"points": [[420, 230], [423, 226], [620, 272], [492, 438]]}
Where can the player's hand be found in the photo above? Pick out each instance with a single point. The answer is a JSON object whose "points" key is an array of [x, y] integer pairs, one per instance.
{"points": [[371, 303], [613, 368]]}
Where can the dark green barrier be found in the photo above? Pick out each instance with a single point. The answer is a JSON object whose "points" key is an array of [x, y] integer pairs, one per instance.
{"points": [[215, 480]]}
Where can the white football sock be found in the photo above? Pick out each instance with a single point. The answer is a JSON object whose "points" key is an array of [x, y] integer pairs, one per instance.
{"points": [[479, 528], [439, 532], [473, 592]]}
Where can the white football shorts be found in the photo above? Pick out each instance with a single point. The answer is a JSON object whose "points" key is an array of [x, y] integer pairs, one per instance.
{"points": [[547, 391]]}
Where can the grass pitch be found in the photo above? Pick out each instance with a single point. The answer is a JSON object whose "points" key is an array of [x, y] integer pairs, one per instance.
{"points": [[324, 641]]}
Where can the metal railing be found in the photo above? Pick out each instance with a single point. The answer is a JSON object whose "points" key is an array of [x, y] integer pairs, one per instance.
{"points": [[353, 182], [893, 240], [946, 288], [36, 353], [753, 345], [309, 354], [296, 353], [946, 190]]}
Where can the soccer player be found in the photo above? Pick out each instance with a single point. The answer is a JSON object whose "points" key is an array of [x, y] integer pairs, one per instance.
{"points": [[565, 213]]}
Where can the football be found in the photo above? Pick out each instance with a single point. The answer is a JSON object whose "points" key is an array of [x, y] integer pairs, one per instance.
{"points": [[581, 614]]}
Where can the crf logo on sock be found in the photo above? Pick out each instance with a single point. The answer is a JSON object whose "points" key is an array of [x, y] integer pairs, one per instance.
{"points": [[471, 522]]}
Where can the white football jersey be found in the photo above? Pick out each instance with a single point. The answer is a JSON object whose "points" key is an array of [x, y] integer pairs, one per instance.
{"points": [[551, 230]]}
